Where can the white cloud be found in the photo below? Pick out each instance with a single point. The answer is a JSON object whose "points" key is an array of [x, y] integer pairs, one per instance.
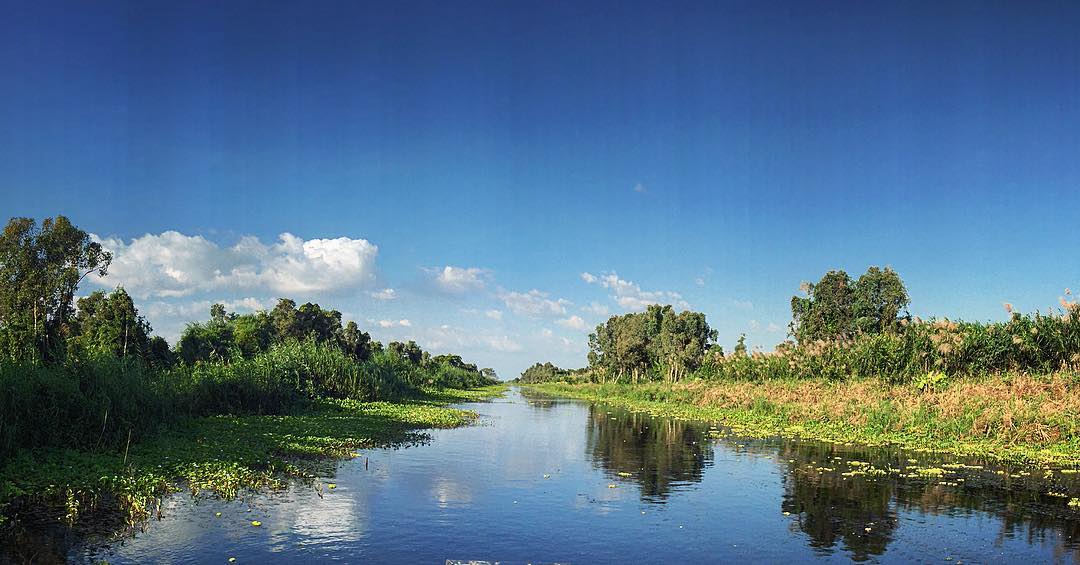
{"points": [[596, 309], [494, 314], [384, 294], [640, 188], [573, 322], [700, 281], [564, 344], [773, 328], [172, 264], [630, 296], [200, 309], [392, 323], [588, 277], [459, 279], [450, 338], [534, 303]]}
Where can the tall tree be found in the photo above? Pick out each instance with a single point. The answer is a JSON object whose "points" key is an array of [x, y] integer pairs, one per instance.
{"points": [[40, 270], [110, 324], [355, 342], [880, 298], [827, 310], [836, 306]]}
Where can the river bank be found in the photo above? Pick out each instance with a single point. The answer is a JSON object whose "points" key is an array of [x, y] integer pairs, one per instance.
{"points": [[222, 456], [1017, 418]]}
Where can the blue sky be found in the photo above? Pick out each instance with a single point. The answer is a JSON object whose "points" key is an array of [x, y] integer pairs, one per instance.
{"points": [[712, 155]]}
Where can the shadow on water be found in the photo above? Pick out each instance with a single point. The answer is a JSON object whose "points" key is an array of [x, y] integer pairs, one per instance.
{"points": [[659, 454]]}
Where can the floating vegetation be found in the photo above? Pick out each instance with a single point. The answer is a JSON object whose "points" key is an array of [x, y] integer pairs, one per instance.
{"points": [[247, 452]]}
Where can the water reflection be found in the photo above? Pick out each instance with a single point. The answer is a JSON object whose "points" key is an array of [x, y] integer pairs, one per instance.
{"points": [[687, 492], [852, 496], [659, 454], [841, 497]]}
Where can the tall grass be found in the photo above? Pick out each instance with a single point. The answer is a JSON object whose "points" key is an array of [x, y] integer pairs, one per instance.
{"points": [[98, 402], [93, 404], [1024, 344]]}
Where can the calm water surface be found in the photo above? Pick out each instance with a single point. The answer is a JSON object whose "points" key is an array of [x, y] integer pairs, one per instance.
{"points": [[550, 480]]}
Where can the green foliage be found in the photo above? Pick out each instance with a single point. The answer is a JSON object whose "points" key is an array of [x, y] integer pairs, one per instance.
{"points": [[109, 324], [657, 342], [837, 307], [543, 373], [930, 380], [1025, 343], [40, 269]]}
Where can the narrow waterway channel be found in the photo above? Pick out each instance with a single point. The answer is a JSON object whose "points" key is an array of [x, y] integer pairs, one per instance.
{"points": [[541, 479]]}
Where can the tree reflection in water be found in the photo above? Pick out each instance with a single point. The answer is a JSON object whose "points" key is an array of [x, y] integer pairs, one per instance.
{"points": [[835, 508], [659, 454]]}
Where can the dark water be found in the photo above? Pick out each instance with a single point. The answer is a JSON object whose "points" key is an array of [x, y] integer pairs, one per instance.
{"points": [[532, 483]]}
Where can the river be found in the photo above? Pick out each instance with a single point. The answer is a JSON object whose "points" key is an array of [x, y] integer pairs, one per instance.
{"points": [[544, 480]]}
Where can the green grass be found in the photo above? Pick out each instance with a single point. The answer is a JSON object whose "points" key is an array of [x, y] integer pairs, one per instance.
{"points": [[873, 422], [218, 455]]}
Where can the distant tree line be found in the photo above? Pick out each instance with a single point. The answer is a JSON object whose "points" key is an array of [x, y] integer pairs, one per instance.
{"points": [[840, 328]]}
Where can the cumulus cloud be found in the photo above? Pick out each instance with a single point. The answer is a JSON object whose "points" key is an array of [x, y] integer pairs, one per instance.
{"points": [[393, 323], [573, 322], [630, 296], [494, 314], [384, 294], [172, 264], [534, 303], [459, 279]]}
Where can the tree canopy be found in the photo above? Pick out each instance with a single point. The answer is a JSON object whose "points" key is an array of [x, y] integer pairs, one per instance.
{"points": [[656, 339], [40, 269], [836, 306]]}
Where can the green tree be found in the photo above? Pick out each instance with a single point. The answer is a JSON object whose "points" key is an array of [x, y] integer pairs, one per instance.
{"points": [[355, 342], [740, 346], [252, 333], [110, 324], [635, 344], [827, 310], [210, 341], [40, 270], [879, 299], [836, 306], [410, 351]]}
